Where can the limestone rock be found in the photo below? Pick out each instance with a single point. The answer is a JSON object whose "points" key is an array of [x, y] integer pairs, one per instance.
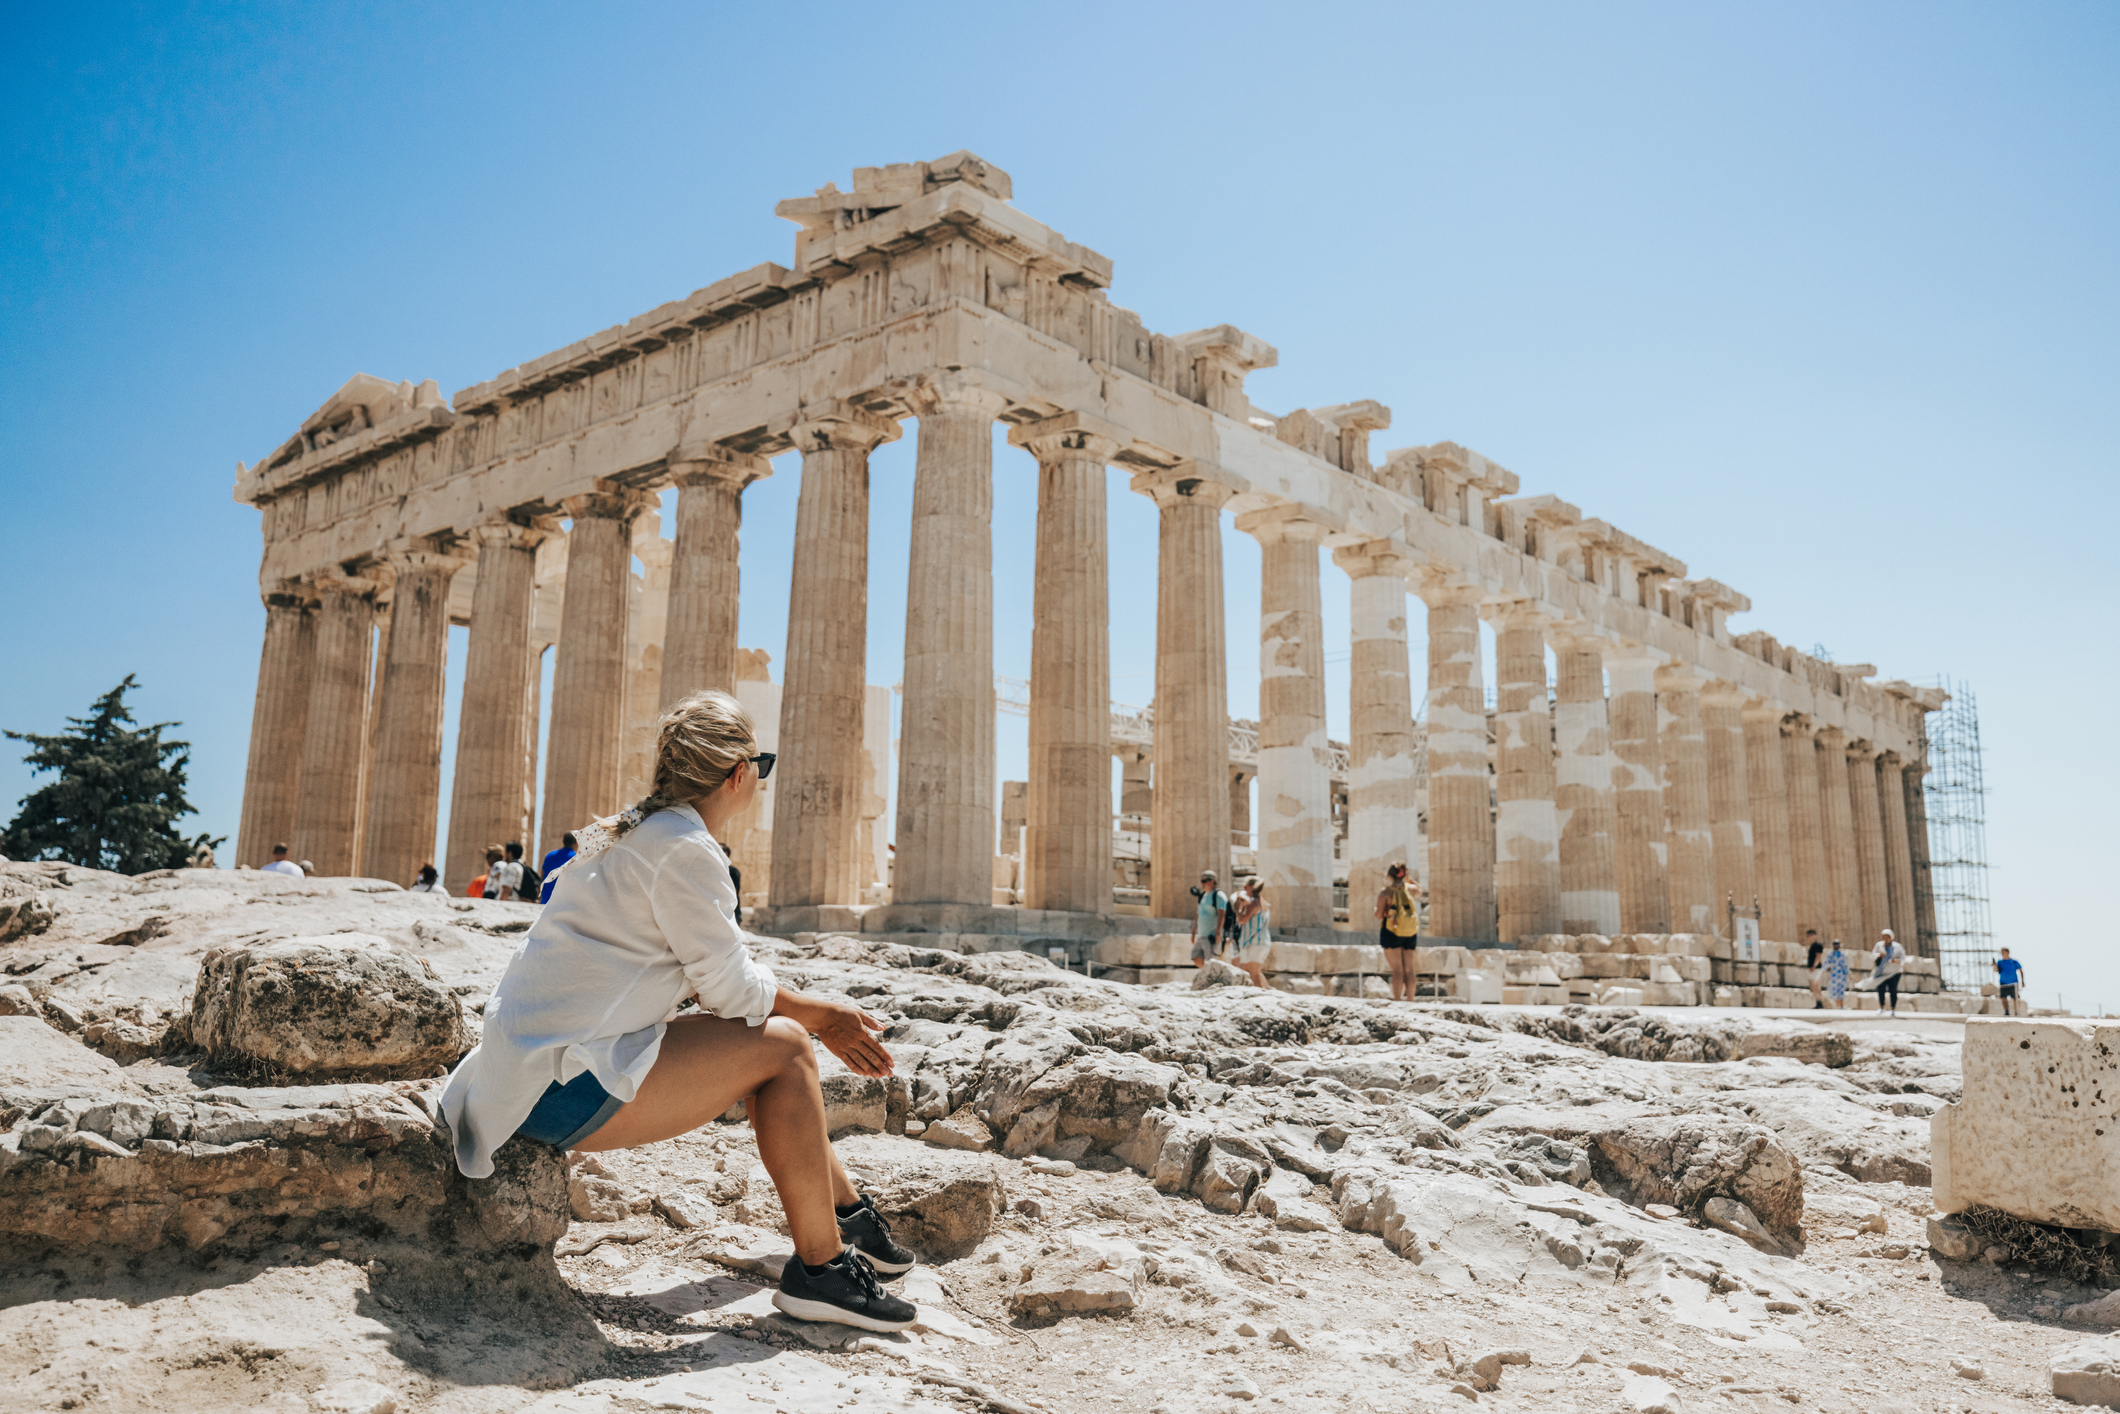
{"points": [[1086, 1274], [2105, 1311], [944, 1204], [1953, 1241], [1734, 1217], [961, 1130], [600, 1200], [1217, 973], [318, 1007], [2088, 1372], [1289, 1199], [1547, 1160], [1814, 1045], [355, 1397], [24, 916], [2029, 1137], [1684, 1160], [687, 1208], [851, 1101], [34, 1056], [239, 1170]]}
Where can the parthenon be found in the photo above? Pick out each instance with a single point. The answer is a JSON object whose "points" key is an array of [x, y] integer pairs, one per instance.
{"points": [[1674, 770]]}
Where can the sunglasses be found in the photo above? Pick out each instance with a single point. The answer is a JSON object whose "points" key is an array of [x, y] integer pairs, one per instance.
{"points": [[764, 762]]}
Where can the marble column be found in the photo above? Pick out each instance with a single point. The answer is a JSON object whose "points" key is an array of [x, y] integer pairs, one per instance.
{"points": [[405, 787], [1295, 769], [1843, 896], [821, 788], [494, 733], [1067, 834], [699, 638], [1527, 867], [1898, 848], [272, 782], [945, 834], [1383, 804], [1638, 795], [1917, 806], [1729, 802], [1767, 791], [335, 728], [1689, 870], [1807, 831], [1874, 910], [1189, 827], [587, 746], [1582, 796], [1460, 817]]}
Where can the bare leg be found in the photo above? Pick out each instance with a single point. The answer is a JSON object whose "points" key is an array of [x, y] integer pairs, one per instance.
{"points": [[709, 1063], [1256, 971], [1402, 974]]}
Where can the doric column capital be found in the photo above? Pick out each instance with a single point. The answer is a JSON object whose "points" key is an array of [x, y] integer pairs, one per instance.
{"points": [[1764, 709], [701, 463], [337, 582], [425, 554], [1371, 558], [1181, 485], [512, 535], [609, 503], [842, 429], [1892, 760], [1724, 693], [1681, 677], [1071, 434], [1832, 738], [1797, 724], [1441, 588], [1863, 749], [1274, 524], [290, 594], [956, 393]]}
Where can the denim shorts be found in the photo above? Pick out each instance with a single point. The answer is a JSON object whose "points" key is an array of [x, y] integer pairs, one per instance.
{"points": [[567, 1114]]}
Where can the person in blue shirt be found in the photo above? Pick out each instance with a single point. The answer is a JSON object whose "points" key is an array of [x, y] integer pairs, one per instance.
{"points": [[553, 861], [2010, 973]]}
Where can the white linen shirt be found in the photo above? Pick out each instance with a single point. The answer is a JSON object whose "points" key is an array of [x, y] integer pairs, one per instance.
{"points": [[627, 935]]}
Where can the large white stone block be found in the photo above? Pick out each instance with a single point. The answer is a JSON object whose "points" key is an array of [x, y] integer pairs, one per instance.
{"points": [[2038, 1132], [1480, 987]]}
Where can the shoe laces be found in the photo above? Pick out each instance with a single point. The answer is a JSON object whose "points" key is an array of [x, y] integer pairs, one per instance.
{"points": [[883, 1224], [864, 1275]]}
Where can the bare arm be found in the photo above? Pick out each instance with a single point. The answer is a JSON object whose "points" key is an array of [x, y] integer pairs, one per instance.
{"points": [[846, 1030]]}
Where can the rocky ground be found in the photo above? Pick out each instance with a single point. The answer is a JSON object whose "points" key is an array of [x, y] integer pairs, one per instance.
{"points": [[1135, 1199]]}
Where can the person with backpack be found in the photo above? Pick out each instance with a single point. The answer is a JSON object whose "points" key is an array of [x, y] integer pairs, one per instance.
{"points": [[1399, 931], [1208, 920], [526, 882]]}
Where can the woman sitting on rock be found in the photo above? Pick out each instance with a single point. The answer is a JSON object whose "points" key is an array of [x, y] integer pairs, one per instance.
{"points": [[583, 1047]]}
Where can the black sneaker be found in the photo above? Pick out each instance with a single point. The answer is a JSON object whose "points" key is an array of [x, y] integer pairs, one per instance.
{"points": [[844, 1292], [869, 1233]]}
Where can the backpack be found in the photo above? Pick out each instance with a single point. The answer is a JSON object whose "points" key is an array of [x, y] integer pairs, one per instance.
{"points": [[527, 889], [1405, 919]]}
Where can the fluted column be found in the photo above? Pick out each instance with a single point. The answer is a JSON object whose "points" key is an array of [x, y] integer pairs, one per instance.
{"points": [[495, 735], [1729, 801], [1689, 868], [1383, 806], [1873, 906], [699, 640], [336, 727], [1582, 796], [1527, 866], [1067, 836], [272, 782], [1295, 769], [1898, 847], [1843, 896], [1917, 805], [587, 745], [1767, 790], [405, 784], [1807, 830], [945, 832], [819, 794], [1460, 819], [1638, 795], [1189, 826]]}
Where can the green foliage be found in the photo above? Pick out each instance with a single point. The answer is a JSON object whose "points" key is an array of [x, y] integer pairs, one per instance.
{"points": [[120, 790]]}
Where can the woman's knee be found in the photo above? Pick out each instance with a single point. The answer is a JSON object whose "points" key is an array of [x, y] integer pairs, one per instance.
{"points": [[790, 1044]]}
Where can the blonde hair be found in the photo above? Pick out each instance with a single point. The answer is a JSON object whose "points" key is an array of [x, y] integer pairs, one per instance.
{"points": [[698, 745]]}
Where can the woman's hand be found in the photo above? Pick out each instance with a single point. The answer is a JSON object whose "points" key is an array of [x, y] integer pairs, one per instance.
{"points": [[844, 1029]]}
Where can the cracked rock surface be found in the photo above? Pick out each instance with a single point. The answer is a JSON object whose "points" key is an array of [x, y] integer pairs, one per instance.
{"points": [[1137, 1199]]}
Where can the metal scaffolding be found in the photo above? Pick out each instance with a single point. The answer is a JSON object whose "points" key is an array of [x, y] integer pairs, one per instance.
{"points": [[1955, 795]]}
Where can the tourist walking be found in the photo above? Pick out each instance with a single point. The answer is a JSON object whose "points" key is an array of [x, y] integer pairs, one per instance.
{"points": [[551, 865], [1254, 930], [1814, 966], [430, 882], [1837, 977], [2010, 974], [1207, 918], [1399, 931], [1888, 962], [503, 875], [526, 879], [583, 1048], [281, 864]]}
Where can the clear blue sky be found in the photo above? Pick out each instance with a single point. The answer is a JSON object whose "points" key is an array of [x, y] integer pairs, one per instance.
{"points": [[1820, 298]]}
